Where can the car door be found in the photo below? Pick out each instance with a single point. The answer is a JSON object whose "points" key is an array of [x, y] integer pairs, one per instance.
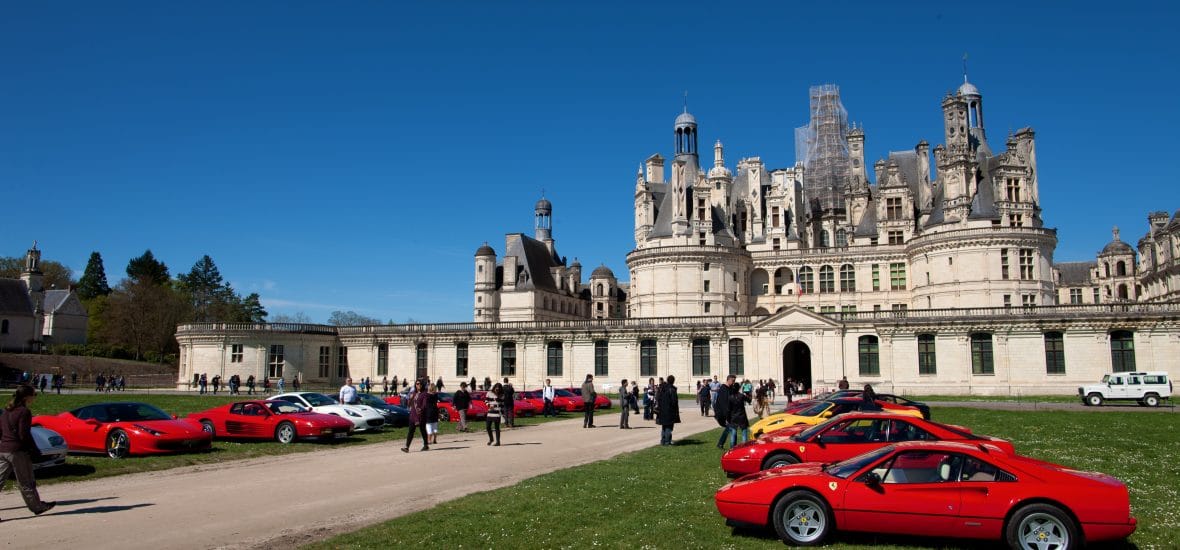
{"points": [[1117, 387], [84, 435], [235, 420], [915, 496], [986, 492]]}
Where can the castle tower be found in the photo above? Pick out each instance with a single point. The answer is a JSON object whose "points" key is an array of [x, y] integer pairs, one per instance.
{"points": [[486, 301], [543, 226]]}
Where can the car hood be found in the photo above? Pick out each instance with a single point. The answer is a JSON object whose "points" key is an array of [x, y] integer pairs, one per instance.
{"points": [[794, 470], [168, 427]]}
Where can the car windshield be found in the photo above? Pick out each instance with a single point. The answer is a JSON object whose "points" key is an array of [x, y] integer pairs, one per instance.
{"points": [[121, 412], [318, 399], [815, 409], [564, 393], [445, 397], [806, 434], [370, 400], [284, 407], [848, 467]]}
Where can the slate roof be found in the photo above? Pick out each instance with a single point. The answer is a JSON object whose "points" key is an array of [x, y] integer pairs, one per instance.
{"points": [[54, 299], [14, 298], [535, 260], [1075, 273]]}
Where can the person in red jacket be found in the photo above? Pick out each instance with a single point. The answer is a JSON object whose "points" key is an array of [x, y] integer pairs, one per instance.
{"points": [[17, 446]]}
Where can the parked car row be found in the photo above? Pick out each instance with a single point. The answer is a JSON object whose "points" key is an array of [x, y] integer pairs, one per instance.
{"points": [[827, 468]]}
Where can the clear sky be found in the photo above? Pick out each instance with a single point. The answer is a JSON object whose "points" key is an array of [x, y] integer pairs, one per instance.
{"points": [[353, 155]]}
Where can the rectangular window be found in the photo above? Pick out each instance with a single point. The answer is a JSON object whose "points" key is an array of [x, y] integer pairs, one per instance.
{"points": [[1026, 264], [896, 237], [341, 362], [876, 277], [325, 361], [1075, 295], [899, 307], [897, 276], [508, 359], [275, 361], [847, 309], [827, 309], [827, 279], [382, 359], [1003, 263], [421, 361], [774, 217], [927, 358], [981, 354], [707, 307], [847, 279], [737, 357], [1007, 300], [1028, 300], [601, 365], [706, 285], [461, 359], [870, 360], [553, 359], [893, 208], [1013, 189], [1096, 295], [700, 357], [647, 358], [1054, 353], [235, 353]]}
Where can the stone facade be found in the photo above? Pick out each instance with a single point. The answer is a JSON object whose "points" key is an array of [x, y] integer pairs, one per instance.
{"points": [[32, 317]]}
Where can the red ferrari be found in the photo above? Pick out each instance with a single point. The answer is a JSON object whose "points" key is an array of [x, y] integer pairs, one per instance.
{"points": [[446, 407], [574, 402], [124, 429], [561, 403], [885, 400], [521, 405], [600, 402], [282, 421], [934, 489], [841, 438]]}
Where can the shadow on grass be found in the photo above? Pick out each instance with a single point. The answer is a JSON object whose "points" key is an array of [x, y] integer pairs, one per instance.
{"points": [[686, 442], [68, 469], [901, 541]]}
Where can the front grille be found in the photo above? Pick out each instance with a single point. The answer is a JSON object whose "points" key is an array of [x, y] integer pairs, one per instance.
{"points": [[377, 423], [184, 444]]}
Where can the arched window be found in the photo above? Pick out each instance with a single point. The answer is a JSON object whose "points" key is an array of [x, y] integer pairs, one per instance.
{"points": [[1122, 292], [847, 278], [420, 361], [981, 354], [1121, 268], [827, 279], [598, 291], [700, 357], [870, 359], [927, 355], [806, 280], [1054, 353], [553, 358], [737, 357], [508, 359], [841, 237], [1122, 351], [759, 282], [647, 358], [782, 277]]}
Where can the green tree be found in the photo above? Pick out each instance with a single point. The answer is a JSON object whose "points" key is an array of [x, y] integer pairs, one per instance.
{"points": [[53, 274], [142, 316], [94, 279], [211, 298], [147, 268], [252, 310]]}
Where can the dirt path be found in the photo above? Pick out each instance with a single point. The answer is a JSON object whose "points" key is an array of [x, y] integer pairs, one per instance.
{"points": [[278, 502]]}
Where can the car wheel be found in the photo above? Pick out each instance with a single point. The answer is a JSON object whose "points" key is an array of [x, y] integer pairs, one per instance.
{"points": [[118, 444], [1039, 526], [1094, 399], [285, 433], [781, 459], [207, 425], [802, 519], [1151, 400]]}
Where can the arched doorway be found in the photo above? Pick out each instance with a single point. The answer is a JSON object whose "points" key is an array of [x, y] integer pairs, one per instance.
{"points": [[797, 364]]}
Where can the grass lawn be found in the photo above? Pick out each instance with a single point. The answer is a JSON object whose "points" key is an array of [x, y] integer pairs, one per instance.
{"points": [[79, 467], [663, 497]]}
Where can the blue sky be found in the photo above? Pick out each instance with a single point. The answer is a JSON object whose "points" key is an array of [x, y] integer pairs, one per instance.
{"points": [[354, 155]]}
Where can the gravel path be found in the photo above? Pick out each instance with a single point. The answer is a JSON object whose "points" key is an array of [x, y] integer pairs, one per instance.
{"points": [[278, 502]]}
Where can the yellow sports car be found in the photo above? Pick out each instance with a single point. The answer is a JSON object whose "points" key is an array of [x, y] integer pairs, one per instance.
{"points": [[819, 412]]}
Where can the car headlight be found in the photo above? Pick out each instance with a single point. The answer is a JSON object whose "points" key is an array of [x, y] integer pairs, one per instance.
{"points": [[147, 429], [352, 413]]}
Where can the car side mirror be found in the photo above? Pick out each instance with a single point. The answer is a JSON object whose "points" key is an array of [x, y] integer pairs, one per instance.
{"points": [[872, 479], [819, 440], [826, 414]]}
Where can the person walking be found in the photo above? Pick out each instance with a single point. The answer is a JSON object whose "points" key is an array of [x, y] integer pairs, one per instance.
{"points": [[739, 423], [438, 386], [495, 402], [347, 393], [431, 409], [17, 448], [282, 384], [635, 397], [296, 382], [417, 408], [203, 383], [771, 386], [789, 389], [384, 385], [721, 410], [508, 393], [462, 401], [668, 403], [588, 397], [649, 399], [760, 403], [548, 393], [624, 405], [250, 385], [704, 398]]}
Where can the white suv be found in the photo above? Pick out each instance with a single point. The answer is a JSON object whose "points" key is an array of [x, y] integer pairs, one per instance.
{"points": [[1148, 388]]}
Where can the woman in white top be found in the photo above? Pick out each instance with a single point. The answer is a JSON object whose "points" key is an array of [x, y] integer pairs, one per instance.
{"points": [[495, 402]]}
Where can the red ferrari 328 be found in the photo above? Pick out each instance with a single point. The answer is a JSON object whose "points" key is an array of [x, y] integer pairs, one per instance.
{"points": [[282, 421], [124, 429], [840, 438], [934, 489]]}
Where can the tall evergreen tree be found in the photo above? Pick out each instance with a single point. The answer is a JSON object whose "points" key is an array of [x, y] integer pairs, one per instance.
{"points": [[147, 269], [212, 299], [94, 279]]}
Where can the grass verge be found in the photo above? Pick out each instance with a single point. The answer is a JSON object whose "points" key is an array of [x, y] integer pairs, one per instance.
{"points": [[663, 497]]}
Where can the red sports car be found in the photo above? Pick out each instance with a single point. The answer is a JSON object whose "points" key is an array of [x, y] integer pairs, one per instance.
{"points": [[560, 402], [281, 420], [521, 405], [885, 400], [600, 402], [446, 407], [934, 489], [125, 429], [840, 438], [574, 402]]}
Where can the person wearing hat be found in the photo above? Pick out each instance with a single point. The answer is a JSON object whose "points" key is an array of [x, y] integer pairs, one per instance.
{"points": [[462, 401], [17, 448]]}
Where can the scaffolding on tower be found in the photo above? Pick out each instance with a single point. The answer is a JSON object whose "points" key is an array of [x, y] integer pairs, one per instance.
{"points": [[822, 147]]}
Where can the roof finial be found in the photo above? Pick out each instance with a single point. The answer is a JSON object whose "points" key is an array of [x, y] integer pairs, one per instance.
{"points": [[1115, 233], [686, 101], [964, 67], [34, 244]]}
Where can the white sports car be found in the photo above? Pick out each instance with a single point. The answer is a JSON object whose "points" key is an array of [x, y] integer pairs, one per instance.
{"points": [[52, 446], [363, 417]]}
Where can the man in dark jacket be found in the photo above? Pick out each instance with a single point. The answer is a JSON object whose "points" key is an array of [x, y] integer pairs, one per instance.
{"points": [[721, 409], [669, 409], [588, 397], [462, 401], [509, 404], [739, 423]]}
